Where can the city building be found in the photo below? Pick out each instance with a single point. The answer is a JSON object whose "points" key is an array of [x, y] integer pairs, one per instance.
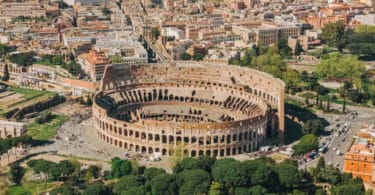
{"points": [[93, 64], [360, 159], [365, 19]]}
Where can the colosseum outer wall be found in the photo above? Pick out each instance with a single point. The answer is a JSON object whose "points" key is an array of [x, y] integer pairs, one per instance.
{"points": [[215, 138]]}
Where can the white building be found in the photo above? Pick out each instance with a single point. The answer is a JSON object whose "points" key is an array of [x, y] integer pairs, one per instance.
{"points": [[10, 129], [365, 19]]}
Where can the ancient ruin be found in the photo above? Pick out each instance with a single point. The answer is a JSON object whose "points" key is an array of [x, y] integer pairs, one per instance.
{"points": [[198, 107]]}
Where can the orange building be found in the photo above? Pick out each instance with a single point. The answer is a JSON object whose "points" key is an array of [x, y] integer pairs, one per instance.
{"points": [[93, 63], [320, 21], [360, 159]]}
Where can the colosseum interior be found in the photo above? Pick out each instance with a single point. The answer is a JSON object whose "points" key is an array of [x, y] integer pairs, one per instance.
{"points": [[199, 108]]}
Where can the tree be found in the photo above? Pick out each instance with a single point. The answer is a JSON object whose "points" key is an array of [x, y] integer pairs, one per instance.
{"points": [[22, 59], [270, 62], [139, 190], [126, 182], [329, 174], [340, 66], [289, 175], [96, 189], [206, 162], [6, 73], [116, 59], [152, 172], [57, 59], [44, 116], [198, 56], [189, 163], [106, 11], [216, 189], [257, 190], [314, 126], [64, 190], [321, 164], [92, 172], [298, 50], [164, 184], [3, 49], [284, 49], [185, 56], [307, 143], [155, 33], [67, 168], [16, 173], [227, 171], [334, 34], [194, 182], [120, 167]]}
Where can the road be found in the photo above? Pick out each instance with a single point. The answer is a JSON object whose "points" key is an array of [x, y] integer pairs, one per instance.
{"points": [[335, 139]]}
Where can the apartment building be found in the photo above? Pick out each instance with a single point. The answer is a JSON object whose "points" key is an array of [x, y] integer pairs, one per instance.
{"points": [[360, 159], [93, 64]]}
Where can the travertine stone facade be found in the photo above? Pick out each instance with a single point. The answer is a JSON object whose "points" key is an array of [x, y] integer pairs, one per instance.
{"points": [[217, 110], [9, 129]]}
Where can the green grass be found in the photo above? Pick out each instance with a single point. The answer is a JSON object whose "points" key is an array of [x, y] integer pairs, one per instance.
{"points": [[42, 62], [293, 131], [30, 188], [46, 130], [30, 93]]}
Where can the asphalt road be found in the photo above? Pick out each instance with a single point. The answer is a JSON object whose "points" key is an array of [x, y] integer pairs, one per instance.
{"points": [[336, 141]]}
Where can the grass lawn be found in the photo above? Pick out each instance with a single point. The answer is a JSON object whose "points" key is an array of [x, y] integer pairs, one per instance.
{"points": [[46, 130], [30, 93], [30, 188]]}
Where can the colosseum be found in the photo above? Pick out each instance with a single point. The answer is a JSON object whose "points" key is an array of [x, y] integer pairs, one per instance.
{"points": [[198, 108]]}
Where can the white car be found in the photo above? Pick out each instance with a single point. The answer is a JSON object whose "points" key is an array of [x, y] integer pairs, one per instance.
{"points": [[334, 149]]}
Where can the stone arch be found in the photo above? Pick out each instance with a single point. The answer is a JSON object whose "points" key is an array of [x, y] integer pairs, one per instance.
{"points": [[222, 152], [150, 150], [193, 153], [157, 137], [144, 150], [186, 140], [150, 136], [215, 153], [193, 139], [137, 148], [164, 152], [178, 139], [201, 153], [171, 139], [208, 152]]}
